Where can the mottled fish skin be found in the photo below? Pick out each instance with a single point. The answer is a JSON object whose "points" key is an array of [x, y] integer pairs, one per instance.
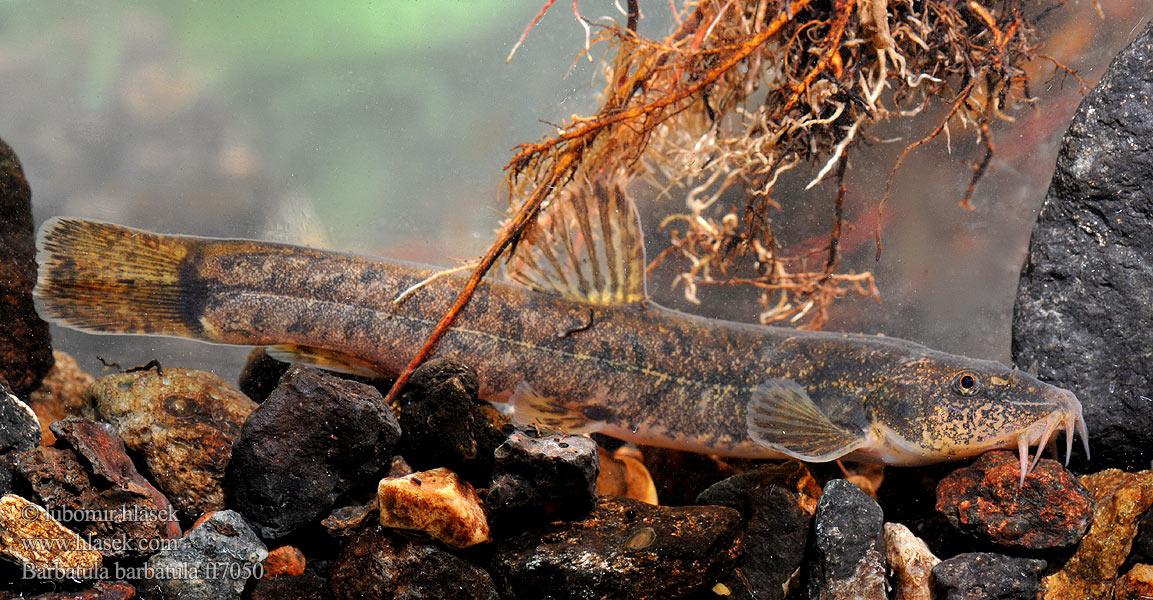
{"points": [[637, 371]]}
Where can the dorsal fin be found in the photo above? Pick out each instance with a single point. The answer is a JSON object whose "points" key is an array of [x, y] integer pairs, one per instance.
{"points": [[586, 246]]}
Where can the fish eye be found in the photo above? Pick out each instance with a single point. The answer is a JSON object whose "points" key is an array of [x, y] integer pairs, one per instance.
{"points": [[967, 383]]}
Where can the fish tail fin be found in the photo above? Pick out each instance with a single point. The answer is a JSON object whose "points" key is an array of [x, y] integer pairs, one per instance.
{"points": [[104, 278]]}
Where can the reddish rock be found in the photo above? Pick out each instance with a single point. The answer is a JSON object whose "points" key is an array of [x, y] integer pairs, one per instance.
{"points": [[102, 497], [283, 561], [25, 348], [61, 394], [1052, 510]]}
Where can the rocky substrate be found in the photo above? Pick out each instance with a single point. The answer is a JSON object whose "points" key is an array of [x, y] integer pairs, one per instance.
{"points": [[169, 483], [161, 482]]}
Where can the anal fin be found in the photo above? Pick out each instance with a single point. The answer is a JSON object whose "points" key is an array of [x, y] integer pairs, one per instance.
{"points": [[324, 358], [782, 417], [530, 408]]}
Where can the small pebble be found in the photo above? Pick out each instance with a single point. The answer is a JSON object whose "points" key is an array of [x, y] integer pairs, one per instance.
{"points": [[911, 562], [623, 473], [67, 557], [1137, 584], [622, 549], [25, 346], [213, 561], [445, 424], [315, 438], [380, 564], [776, 529], [1121, 500], [986, 500], [436, 502], [284, 561], [553, 476], [849, 562], [988, 576], [182, 422]]}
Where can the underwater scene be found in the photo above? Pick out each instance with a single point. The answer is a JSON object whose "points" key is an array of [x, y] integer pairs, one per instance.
{"points": [[631, 299]]}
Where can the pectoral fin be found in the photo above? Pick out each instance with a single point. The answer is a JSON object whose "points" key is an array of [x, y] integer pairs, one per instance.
{"points": [[530, 408], [324, 358], [782, 417]]}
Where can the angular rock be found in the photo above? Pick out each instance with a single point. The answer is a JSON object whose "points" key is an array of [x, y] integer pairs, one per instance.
{"points": [[776, 529], [911, 562], [213, 561], [1121, 500], [623, 473], [261, 375], [101, 590], [623, 549], [1082, 310], [25, 348], [314, 439], [19, 432], [308, 586], [988, 576], [436, 502], [850, 545], [1137, 584], [182, 422], [985, 500], [102, 497], [377, 564], [446, 425], [344, 520], [41, 546], [536, 477], [61, 394]]}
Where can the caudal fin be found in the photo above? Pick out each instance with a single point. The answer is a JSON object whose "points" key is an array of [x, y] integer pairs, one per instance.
{"points": [[105, 278]]}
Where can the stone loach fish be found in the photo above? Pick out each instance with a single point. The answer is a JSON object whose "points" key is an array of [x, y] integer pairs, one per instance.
{"points": [[567, 336]]}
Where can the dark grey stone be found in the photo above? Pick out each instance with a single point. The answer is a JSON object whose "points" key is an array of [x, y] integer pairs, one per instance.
{"points": [[445, 423], [988, 576], [776, 532], [849, 562], [19, 431], [314, 439], [212, 562], [381, 564], [624, 549], [550, 476], [1083, 312]]}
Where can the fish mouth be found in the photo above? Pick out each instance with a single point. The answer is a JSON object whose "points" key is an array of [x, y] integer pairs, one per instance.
{"points": [[1067, 414]]}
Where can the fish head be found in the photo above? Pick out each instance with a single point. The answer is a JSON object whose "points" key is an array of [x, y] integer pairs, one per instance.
{"points": [[949, 407]]}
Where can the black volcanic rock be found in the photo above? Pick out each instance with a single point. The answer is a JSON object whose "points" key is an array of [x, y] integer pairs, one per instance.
{"points": [[1083, 304], [849, 562], [624, 549], [316, 437], [988, 576], [445, 424]]}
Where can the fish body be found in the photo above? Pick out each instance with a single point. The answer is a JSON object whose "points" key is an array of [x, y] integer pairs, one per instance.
{"points": [[578, 357]]}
